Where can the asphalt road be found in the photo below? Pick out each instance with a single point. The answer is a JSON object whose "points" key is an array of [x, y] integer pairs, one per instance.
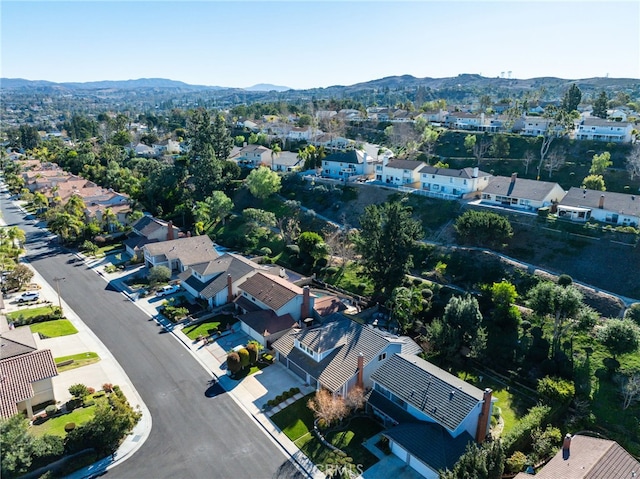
{"points": [[195, 434]]}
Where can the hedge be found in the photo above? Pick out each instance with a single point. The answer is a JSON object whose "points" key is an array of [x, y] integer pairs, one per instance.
{"points": [[519, 437]]}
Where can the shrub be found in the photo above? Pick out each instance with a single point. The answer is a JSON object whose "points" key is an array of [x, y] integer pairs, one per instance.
{"points": [[51, 410], [252, 349], [244, 358], [88, 403], [91, 390], [331, 270], [78, 390], [70, 426], [633, 313], [565, 280], [519, 437], [556, 390], [516, 462], [99, 394], [233, 362]]}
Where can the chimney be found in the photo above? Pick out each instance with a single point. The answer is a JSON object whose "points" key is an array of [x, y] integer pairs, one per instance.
{"points": [[476, 172], [305, 309], [601, 202], [483, 418], [566, 447], [170, 231], [360, 381], [514, 176], [229, 288]]}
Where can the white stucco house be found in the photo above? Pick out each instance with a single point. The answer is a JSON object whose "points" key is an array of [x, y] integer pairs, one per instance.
{"points": [[522, 194], [598, 129], [580, 204], [458, 183]]}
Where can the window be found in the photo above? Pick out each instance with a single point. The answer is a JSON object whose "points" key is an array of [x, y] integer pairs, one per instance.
{"points": [[382, 357]]}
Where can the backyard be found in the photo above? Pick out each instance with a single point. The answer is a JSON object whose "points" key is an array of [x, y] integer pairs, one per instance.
{"points": [[296, 421]]}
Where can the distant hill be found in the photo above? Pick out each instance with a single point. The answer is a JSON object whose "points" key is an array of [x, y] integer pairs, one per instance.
{"points": [[159, 83], [267, 87]]}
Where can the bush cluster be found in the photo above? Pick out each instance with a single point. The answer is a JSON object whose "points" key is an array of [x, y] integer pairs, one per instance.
{"points": [[55, 313], [282, 397], [519, 438]]}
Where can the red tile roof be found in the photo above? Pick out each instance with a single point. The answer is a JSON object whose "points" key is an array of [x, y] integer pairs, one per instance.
{"points": [[18, 373]]}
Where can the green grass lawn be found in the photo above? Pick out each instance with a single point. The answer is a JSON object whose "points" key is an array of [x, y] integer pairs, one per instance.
{"points": [[351, 278], [112, 248], [296, 421], [52, 329], [30, 312], [510, 412], [79, 360], [207, 327], [55, 426]]}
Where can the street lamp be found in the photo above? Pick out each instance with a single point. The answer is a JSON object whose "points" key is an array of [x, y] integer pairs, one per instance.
{"points": [[57, 280]]}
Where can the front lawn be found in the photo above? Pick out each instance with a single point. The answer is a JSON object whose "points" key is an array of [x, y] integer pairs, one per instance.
{"points": [[79, 360], [296, 421], [24, 315], [52, 329], [55, 426], [209, 326]]}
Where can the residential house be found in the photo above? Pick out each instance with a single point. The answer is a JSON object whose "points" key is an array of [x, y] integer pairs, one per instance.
{"points": [[216, 281], [434, 116], [331, 143], [100, 213], [270, 305], [179, 254], [26, 372], [402, 172], [144, 150], [149, 229], [252, 156], [285, 161], [580, 204], [167, 147], [339, 354], [535, 125], [598, 129], [344, 165], [521, 193], [585, 457], [457, 183], [299, 133], [434, 414], [461, 120]]}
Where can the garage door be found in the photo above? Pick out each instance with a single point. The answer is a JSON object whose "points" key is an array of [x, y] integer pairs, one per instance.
{"points": [[297, 370]]}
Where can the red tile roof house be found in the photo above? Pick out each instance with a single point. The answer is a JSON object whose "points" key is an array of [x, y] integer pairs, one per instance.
{"points": [[270, 306], [332, 355], [25, 372], [433, 414], [584, 457]]}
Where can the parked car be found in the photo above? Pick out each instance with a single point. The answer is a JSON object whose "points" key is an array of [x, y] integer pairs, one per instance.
{"points": [[167, 290], [29, 296]]}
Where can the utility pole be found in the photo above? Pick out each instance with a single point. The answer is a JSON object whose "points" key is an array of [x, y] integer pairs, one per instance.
{"points": [[57, 280]]}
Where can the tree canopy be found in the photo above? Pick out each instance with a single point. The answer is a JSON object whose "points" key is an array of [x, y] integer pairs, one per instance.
{"points": [[385, 242], [483, 228], [262, 182]]}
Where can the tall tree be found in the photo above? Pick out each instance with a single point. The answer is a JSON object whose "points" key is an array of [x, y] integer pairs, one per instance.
{"points": [[560, 303], [600, 163], [213, 209], [559, 123], [385, 242], [633, 162], [600, 105], [571, 98], [221, 139]]}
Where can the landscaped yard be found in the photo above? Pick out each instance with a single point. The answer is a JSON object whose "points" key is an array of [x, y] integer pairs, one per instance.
{"points": [[79, 360], [509, 403], [29, 313], [296, 421], [207, 327], [52, 329], [56, 425]]}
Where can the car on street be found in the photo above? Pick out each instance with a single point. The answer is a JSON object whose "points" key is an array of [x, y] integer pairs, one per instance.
{"points": [[167, 290], [28, 296]]}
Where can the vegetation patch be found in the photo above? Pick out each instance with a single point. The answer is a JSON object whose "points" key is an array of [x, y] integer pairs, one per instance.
{"points": [[66, 363], [52, 329], [55, 426], [208, 327], [34, 315]]}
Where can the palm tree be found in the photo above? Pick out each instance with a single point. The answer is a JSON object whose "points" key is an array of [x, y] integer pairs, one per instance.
{"points": [[67, 226], [275, 153], [108, 219]]}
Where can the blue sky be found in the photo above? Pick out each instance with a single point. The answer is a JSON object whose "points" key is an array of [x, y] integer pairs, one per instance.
{"points": [[305, 44]]}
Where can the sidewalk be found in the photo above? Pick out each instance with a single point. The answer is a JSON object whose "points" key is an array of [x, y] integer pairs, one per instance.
{"points": [[251, 393], [93, 375]]}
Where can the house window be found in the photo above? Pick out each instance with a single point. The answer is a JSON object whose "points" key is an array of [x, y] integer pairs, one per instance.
{"points": [[382, 390], [382, 357], [464, 182]]}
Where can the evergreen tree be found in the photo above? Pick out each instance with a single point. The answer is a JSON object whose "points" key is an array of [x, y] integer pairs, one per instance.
{"points": [[600, 105], [571, 99]]}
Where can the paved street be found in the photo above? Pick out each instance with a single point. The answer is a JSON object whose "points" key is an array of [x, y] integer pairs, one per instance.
{"points": [[193, 436]]}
